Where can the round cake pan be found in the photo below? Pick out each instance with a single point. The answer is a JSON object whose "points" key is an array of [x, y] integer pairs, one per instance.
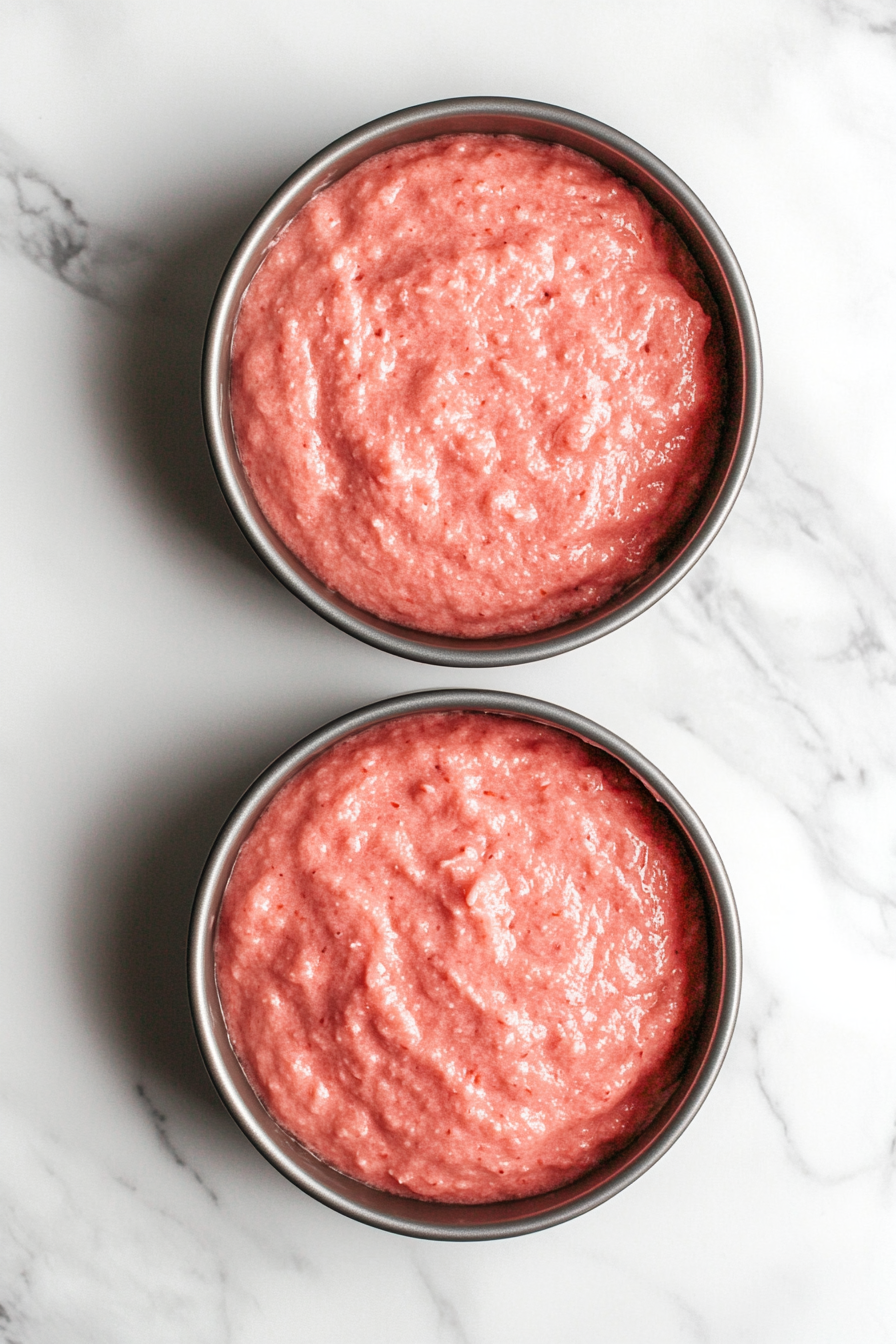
{"points": [[462, 1222], [669, 196]]}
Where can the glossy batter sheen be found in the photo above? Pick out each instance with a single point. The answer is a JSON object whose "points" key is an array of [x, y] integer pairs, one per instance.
{"points": [[462, 956], [475, 387]]}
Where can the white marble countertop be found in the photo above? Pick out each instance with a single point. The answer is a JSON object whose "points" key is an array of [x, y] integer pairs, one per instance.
{"points": [[152, 667]]}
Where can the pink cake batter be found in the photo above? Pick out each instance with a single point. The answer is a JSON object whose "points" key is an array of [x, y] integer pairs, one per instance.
{"points": [[475, 385], [462, 956]]}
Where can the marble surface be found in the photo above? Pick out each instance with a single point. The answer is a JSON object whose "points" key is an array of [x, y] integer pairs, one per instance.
{"points": [[152, 667]]}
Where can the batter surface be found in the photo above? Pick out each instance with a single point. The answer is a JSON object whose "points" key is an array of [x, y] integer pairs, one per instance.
{"points": [[475, 385], [462, 956]]}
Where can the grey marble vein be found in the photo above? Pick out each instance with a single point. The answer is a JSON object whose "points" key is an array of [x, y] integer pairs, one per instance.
{"points": [[828, 1154], [66, 1273], [41, 223], [691, 1319], [449, 1325], [776, 1109], [160, 1125], [800, 621], [877, 16], [12, 1319]]}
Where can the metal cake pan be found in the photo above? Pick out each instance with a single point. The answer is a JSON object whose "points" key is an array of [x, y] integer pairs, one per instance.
{"points": [[669, 196], [457, 1222]]}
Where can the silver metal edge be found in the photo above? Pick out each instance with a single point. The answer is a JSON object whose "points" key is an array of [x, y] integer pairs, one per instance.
{"points": [[409, 1216], [344, 153]]}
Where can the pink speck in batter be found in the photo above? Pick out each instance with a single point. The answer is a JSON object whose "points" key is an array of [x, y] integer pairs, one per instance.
{"points": [[462, 956], [476, 385]]}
